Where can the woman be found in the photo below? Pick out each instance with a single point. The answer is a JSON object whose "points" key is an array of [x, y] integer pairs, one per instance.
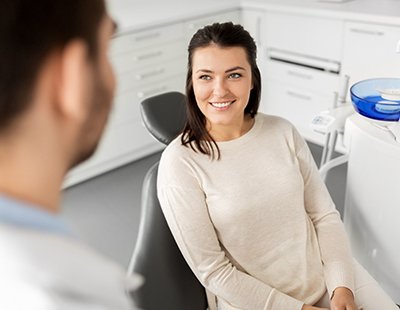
{"points": [[243, 198]]}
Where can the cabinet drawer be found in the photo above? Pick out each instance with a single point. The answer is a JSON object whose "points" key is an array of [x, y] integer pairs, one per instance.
{"points": [[370, 51], [138, 58], [297, 105], [310, 79], [149, 75], [176, 83], [307, 35], [126, 105], [139, 39]]}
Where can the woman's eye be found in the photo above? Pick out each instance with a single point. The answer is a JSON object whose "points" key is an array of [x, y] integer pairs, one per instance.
{"points": [[235, 75], [205, 77]]}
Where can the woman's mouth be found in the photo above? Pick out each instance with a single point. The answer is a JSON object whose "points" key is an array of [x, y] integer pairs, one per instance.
{"points": [[222, 105]]}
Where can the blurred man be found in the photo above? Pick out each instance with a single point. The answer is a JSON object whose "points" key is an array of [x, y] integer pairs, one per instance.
{"points": [[56, 90]]}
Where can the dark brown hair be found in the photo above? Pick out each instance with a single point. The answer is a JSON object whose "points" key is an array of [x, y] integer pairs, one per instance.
{"points": [[227, 34], [29, 32]]}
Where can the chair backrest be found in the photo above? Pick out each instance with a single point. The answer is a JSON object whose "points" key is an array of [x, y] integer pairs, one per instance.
{"points": [[164, 115], [169, 282]]}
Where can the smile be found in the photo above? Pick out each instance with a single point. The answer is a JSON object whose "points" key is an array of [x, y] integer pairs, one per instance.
{"points": [[221, 105]]}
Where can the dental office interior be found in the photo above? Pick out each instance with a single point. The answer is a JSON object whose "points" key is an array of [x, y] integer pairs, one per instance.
{"points": [[331, 67]]}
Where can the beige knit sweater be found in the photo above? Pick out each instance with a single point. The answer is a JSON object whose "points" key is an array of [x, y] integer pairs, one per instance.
{"points": [[257, 227]]}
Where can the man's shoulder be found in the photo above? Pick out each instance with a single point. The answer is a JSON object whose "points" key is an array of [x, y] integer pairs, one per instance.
{"points": [[58, 270]]}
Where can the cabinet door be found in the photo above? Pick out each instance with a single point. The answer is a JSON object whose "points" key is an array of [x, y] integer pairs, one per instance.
{"points": [[253, 22], [370, 51], [307, 35]]}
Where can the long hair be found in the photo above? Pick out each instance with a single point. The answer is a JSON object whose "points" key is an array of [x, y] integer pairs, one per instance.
{"points": [[227, 34], [29, 32]]}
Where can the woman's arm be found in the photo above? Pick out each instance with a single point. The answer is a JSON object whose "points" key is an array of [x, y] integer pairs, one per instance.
{"points": [[335, 250]]}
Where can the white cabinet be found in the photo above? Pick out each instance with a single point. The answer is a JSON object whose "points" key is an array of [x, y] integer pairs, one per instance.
{"points": [[253, 21], [301, 72], [304, 34], [370, 51]]}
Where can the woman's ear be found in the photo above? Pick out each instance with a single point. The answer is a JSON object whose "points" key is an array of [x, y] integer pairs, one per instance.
{"points": [[74, 80]]}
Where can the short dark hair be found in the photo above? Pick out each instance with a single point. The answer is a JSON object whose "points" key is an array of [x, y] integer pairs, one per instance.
{"points": [[29, 32], [223, 35]]}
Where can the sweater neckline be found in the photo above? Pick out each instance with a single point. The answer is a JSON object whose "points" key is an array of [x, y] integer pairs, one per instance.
{"points": [[224, 145]]}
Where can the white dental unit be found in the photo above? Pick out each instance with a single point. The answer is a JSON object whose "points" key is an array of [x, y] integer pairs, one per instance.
{"points": [[372, 207], [372, 204]]}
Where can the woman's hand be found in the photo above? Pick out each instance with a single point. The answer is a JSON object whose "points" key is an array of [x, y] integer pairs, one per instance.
{"points": [[343, 299], [307, 307]]}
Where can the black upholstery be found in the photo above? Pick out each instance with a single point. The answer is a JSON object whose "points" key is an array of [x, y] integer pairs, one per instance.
{"points": [[169, 282], [164, 115]]}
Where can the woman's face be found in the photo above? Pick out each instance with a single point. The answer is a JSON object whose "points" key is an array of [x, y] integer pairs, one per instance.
{"points": [[222, 83]]}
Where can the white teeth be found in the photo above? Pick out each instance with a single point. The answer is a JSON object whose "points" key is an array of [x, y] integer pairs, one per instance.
{"points": [[221, 104]]}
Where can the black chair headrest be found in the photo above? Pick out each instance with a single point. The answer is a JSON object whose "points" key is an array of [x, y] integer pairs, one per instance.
{"points": [[164, 115]]}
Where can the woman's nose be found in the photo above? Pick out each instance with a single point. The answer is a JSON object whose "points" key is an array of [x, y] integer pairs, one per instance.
{"points": [[220, 88]]}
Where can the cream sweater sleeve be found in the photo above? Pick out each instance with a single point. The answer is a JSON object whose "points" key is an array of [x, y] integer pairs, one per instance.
{"points": [[184, 206], [332, 239]]}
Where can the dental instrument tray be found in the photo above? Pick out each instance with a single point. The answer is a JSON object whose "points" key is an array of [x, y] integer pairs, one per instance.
{"points": [[377, 99]]}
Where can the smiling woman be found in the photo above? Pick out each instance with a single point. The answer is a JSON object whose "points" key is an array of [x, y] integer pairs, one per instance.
{"points": [[223, 86], [255, 223]]}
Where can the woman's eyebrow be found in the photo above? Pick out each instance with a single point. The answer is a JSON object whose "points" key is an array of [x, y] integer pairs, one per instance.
{"points": [[234, 69], [204, 70], [227, 71]]}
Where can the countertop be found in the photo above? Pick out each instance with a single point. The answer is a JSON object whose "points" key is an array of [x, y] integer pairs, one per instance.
{"points": [[378, 11], [133, 15]]}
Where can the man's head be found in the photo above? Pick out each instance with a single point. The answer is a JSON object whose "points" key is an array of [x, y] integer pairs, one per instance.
{"points": [[54, 68]]}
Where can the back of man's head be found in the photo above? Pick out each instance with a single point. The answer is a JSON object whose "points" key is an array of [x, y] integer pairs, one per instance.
{"points": [[29, 32]]}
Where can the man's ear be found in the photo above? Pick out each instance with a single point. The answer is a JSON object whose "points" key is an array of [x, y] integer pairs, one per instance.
{"points": [[74, 80]]}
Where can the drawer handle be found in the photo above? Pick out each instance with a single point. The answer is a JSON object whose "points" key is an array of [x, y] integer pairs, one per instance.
{"points": [[369, 32], [149, 55], [298, 95], [150, 92], [147, 36], [146, 75], [300, 75]]}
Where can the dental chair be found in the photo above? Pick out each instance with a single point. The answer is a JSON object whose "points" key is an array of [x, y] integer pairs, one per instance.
{"points": [[169, 282]]}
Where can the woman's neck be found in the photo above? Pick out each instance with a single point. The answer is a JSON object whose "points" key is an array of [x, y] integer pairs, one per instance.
{"points": [[230, 132]]}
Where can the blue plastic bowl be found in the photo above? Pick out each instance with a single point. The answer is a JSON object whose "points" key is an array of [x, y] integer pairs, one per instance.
{"points": [[367, 100]]}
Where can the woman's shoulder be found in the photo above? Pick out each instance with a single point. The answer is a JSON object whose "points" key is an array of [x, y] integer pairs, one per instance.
{"points": [[175, 153], [175, 148], [280, 129], [275, 122]]}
